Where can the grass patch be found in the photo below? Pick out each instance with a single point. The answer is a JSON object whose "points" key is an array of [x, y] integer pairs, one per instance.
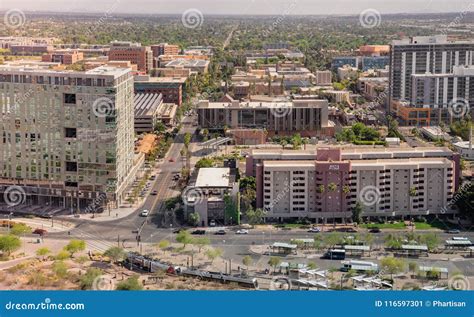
{"points": [[396, 225]]}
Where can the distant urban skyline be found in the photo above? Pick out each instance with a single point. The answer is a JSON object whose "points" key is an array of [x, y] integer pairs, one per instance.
{"points": [[242, 7]]}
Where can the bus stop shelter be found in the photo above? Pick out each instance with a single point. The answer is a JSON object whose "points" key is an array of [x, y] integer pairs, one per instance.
{"points": [[357, 249], [457, 244], [414, 250], [441, 271], [284, 248]]}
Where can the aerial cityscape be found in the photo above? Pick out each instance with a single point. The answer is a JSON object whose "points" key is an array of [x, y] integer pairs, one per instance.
{"points": [[193, 148]]}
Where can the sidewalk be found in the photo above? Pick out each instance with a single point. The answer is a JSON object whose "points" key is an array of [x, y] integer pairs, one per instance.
{"points": [[54, 225], [115, 214]]}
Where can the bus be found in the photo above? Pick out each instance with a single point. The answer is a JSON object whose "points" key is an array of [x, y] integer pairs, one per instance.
{"points": [[335, 254], [359, 266]]}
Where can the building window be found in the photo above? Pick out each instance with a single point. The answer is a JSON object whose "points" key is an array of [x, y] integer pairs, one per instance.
{"points": [[70, 99], [70, 132], [71, 166]]}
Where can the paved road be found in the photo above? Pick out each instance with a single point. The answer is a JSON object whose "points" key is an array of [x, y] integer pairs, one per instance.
{"points": [[107, 233]]}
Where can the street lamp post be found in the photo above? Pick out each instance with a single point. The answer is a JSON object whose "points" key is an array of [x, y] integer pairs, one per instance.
{"points": [[9, 221]]}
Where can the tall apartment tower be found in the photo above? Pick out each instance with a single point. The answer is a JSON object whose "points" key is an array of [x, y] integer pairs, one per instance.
{"points": [[137, 54], [67, 137], [433, 56]]}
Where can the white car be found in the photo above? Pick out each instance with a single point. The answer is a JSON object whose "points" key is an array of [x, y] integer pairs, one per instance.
{"points": [[314, 230], [145, 213], [242, 231]]}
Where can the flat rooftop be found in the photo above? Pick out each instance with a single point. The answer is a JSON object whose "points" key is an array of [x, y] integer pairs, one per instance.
{"points": [[354, 150], [213, 177], [188, 63], [146, 104], [310, 103], [166, 80], [99, 71]]}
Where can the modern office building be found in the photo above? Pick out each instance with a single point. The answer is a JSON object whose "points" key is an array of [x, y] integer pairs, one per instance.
{"points": [[438, 98], [323, 78], [140, 55], [66, 57], [67, 137], [341, 61], [207, 195], [163, 49], [429, 71], [333, 181], [149, 109], [307, 117], [170, 87], [374, 62]]}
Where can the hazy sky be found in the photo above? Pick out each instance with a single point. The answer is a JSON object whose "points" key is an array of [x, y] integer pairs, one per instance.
{"points": [[278, 7]]}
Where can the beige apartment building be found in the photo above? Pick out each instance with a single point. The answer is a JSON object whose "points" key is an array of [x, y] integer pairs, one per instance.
{"points": [[307, 117], [67, 137], [329, 183]]}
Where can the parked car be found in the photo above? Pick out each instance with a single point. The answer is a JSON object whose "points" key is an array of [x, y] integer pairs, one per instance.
{"points": [[145, 213], [453, 231], [154, 193], [242, 231], [220, 232], [314, 230], [178, 230], [212, 223], [199, 231], [40, 231], [375, 230]]}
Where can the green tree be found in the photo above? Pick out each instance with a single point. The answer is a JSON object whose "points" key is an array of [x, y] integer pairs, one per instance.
{"points": [[60, 269], [9, 244], [163, 245], [333, 239], [204, 162], [247, 182], [115, 254], [231, 210], [412, 267], [296, 141], [255, 216], [194, 219], [130, 284], [75, 246], [357, 213], [213, 254], [19, 229], [187, 139], [62, 255], [184, 237], [392, 265], [247, 261], [274, 262], [87, 280], [42, 252], [201, 242], [431, 240]]}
